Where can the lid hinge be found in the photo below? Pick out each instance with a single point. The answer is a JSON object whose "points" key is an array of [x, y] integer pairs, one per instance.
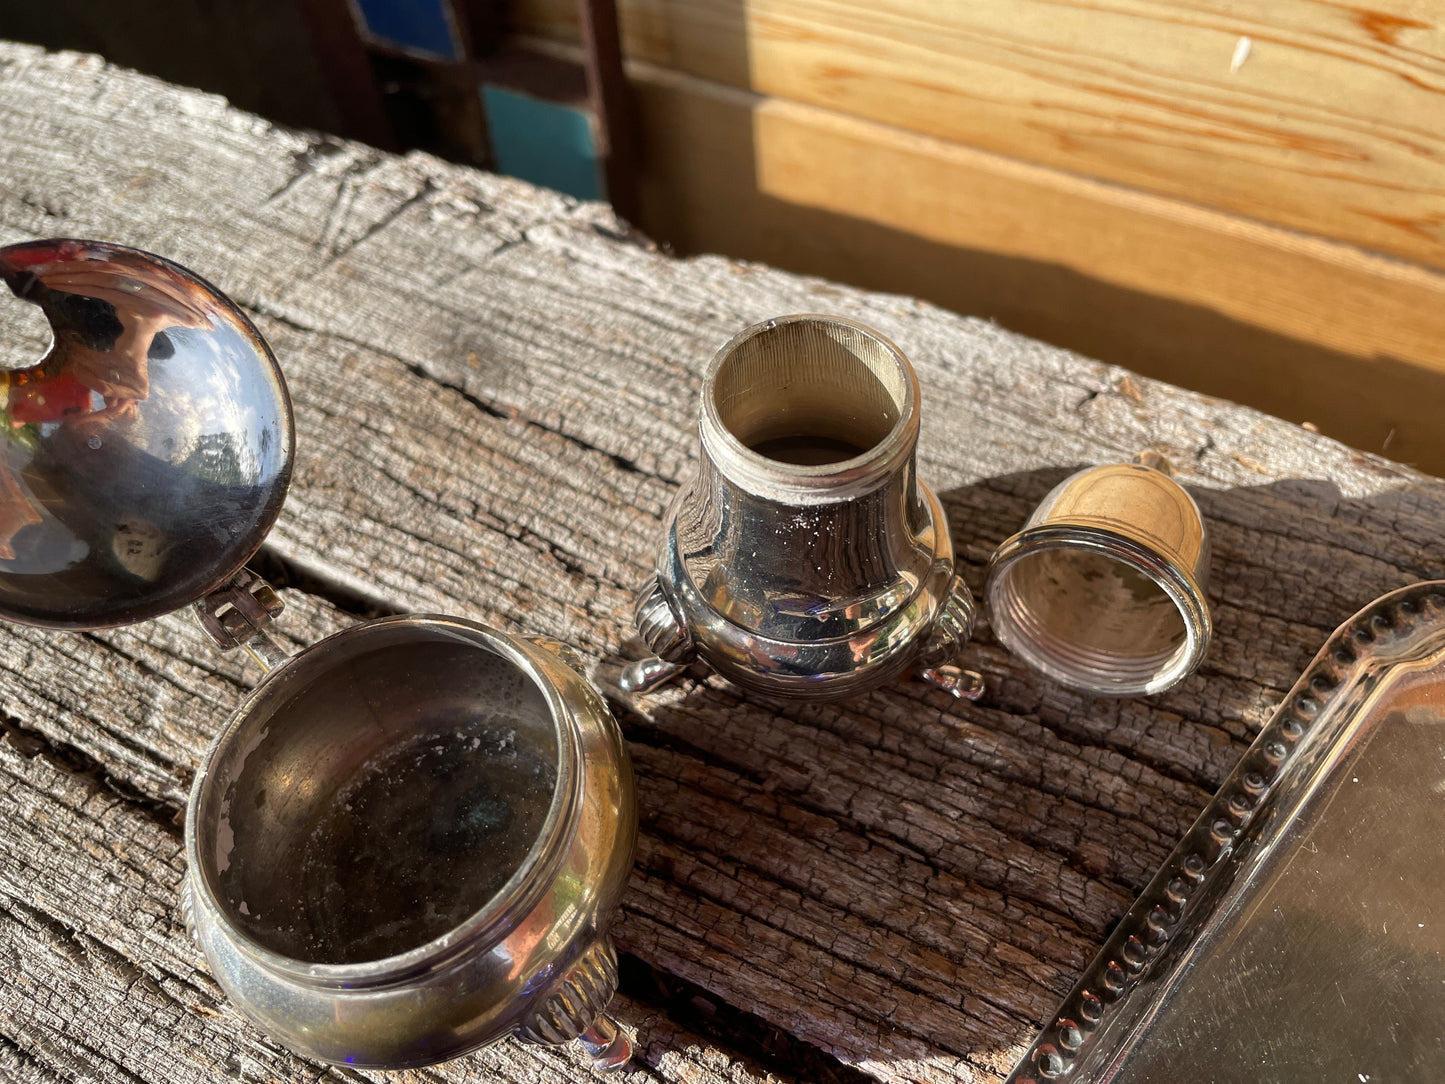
{"points": [[237, 614]]}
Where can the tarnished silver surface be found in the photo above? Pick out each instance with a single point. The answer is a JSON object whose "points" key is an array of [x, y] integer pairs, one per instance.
{"points": [[410, 838], [805, 559], [409, 841], [146, 455], [1297, 933], [1103, 588]]}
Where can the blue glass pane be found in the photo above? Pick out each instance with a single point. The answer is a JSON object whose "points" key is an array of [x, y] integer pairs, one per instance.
{"points": [[542, 142], [423, 26]]}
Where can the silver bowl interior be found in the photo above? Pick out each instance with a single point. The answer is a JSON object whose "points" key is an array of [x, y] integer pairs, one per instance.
{"points": [[378, 791]]}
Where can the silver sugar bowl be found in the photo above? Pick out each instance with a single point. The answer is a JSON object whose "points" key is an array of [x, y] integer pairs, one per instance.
{"points": [[408, 841], [411, 837]]}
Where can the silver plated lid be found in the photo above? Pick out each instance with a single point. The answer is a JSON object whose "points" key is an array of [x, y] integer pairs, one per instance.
{"points": [[1103, 590], [146, 455]]}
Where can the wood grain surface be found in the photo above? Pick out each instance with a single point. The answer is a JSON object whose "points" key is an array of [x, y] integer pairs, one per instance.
{"points": [[1307, 328], [494, 389], [1322, 116]]}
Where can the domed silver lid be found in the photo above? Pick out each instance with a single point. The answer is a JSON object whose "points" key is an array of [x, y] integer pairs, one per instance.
{"points": [[146, 455], [1104, 588]]}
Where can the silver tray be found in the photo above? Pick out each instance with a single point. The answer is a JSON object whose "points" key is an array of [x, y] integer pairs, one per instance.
{"points": [[1297, 933]]}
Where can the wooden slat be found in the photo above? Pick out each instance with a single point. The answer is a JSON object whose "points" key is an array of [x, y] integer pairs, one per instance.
{"points": [[1308, 329], [1333, 123], [495, 389], [102, 983]]}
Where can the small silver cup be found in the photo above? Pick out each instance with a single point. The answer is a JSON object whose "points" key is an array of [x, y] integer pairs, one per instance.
{"points": [[1103, 589], [804, 559]]}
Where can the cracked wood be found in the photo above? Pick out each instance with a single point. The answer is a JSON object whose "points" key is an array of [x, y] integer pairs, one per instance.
{"points": [[495, 388]]}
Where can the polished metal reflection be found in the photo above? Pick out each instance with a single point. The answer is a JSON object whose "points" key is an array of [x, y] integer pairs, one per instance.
{"points": [[1297, 933], [409, 841], [1103, 589], [804, 558], [146, 455], [411, 838]]}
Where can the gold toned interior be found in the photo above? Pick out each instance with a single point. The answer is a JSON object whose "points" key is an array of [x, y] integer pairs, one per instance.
{"points": [[810, 392]]}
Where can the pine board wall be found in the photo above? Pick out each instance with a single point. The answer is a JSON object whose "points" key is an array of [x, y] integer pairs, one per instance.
{"points": [[1245, 199]]}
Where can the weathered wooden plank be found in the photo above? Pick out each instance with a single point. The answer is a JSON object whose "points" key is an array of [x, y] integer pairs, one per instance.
{"points": [[1330, 120], [101, 982], [494, 391], [1199, 297]]}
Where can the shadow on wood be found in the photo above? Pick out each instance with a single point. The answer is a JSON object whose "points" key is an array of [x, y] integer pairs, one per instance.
{"points": [[1151, 292], [906, 880]]}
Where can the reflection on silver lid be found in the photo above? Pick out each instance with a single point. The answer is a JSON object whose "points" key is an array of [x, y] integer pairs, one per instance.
{"points": [[146, 455]]}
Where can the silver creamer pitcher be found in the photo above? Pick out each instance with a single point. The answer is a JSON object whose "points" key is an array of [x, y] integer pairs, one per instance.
{"points": [[804, 558]]}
